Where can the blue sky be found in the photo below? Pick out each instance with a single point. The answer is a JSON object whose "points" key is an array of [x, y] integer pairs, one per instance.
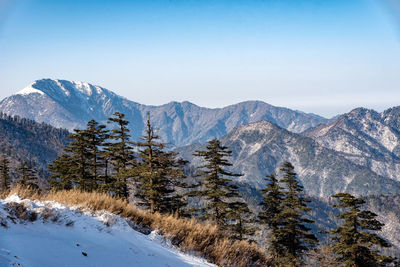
{"points": [[318, 56]]}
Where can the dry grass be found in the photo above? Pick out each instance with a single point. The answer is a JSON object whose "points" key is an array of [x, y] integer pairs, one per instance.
{"points": [[203, 239]]}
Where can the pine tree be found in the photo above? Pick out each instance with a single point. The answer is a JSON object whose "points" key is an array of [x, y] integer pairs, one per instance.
{"points": [[271, 206], [354, 239], [5, 174], [217, 189], [27, 176], [243, 225], [96, 135], [73, 167], [293, 235], [158, 174], [61, 176], [82, 164], [119, 154], [90, 162]]}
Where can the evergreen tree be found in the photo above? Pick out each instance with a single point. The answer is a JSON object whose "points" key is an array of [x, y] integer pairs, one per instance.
{"points": [[171, 174], [96, 136], [82, 163], [292, 234], [217, 189], [27, 176], [119, 154], [158, 174], [243, 225], [73, 167], [5, 174], [61, 176], [354, 239], [271, 207]]}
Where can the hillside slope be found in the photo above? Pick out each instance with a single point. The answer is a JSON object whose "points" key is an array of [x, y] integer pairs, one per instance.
{"points": [[59, 235], [26, 140]]}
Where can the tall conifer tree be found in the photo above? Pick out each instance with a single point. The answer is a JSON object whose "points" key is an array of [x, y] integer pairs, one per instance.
{"points": [[73, 167], [96, 135], [217, 189], [271, 206], [292, 234], [4, 174], [61, 177], [78, 149], [158, 174], [119, 155], [355, 241], [27, 176]]}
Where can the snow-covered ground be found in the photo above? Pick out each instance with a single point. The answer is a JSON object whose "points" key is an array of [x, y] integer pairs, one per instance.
{"points": [[70, 236]]}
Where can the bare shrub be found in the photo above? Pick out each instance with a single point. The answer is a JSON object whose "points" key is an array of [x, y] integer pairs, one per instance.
{"points": [[19, 211], [47, 214]]}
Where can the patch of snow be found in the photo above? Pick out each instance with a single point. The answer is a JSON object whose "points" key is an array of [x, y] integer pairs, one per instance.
{"points": [[61, 86], [30, 90], [255, 147], [83, 88], [91, 239], [99, 90]]}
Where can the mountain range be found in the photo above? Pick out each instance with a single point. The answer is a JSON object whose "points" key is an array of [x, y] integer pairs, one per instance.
{"points": [[358, 152], [71, 105], [260, 148]]}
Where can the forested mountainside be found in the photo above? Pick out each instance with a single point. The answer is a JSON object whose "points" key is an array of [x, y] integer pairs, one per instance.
{"points": [[24, 140], [71, 105]]}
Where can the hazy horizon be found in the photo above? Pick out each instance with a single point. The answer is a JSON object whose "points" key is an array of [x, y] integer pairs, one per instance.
{"points": [[322, 57]]}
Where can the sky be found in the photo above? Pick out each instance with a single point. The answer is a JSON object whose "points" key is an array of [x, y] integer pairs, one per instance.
{"points": [[321, 56]]}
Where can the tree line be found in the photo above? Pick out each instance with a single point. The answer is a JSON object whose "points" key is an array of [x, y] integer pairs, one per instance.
{"points": [[26, 175], [152, 176]]}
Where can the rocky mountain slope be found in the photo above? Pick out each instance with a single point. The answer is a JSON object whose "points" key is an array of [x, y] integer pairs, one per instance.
{"points": [[365, 137], [260, 148], [71, 104]]}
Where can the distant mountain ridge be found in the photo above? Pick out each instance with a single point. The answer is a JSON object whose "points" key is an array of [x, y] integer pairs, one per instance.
{"points": [[260, 148], [70, 105], [365, 137]]}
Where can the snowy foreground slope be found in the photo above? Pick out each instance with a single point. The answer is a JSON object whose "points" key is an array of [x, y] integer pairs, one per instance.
{"points": [[69, 236]]}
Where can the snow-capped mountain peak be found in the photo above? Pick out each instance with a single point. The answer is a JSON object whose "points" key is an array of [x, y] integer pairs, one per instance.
{"points": [[56, 87], [30, 90]]}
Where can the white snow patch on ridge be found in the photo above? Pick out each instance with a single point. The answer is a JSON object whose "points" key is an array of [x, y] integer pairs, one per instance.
{"points": [[255, 147], [70, 236], [29, 90]]}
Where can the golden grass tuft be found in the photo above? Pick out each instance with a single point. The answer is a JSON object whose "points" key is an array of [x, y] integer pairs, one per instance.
{"points": [[203, 239]]}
